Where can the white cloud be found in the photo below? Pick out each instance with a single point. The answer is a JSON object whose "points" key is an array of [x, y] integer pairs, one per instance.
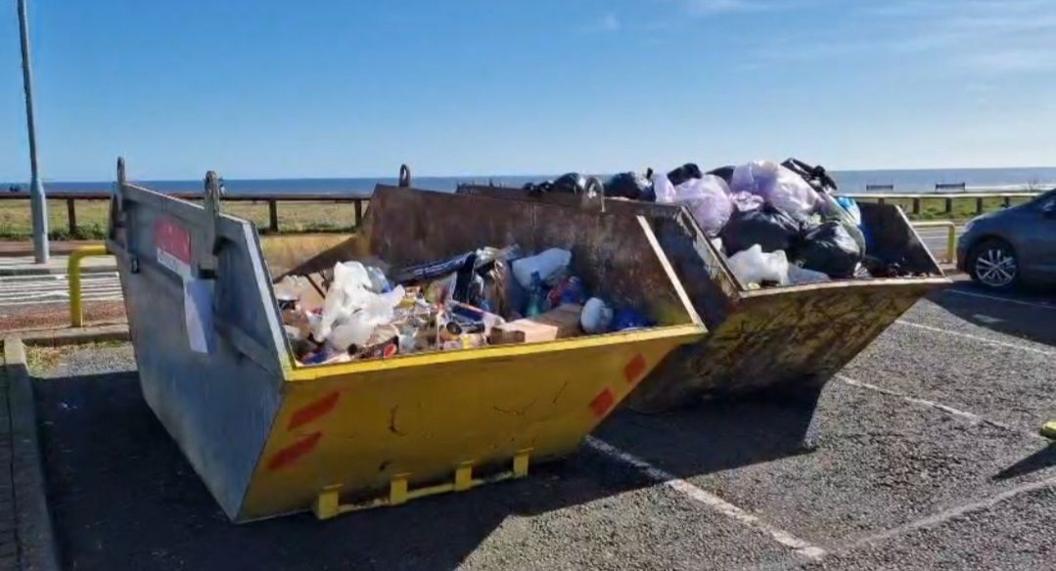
{"points": [[705, 8], [975, 36], [607, 23], [709, 7]]}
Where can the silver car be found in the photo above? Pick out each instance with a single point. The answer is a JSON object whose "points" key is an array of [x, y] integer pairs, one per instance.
{"points": [[1017, 245]]}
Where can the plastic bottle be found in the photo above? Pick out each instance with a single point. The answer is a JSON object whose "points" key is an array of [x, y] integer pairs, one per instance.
{"points": [[535, 296]]}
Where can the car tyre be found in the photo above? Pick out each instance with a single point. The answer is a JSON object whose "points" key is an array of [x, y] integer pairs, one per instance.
{"points": [[993, 265]]}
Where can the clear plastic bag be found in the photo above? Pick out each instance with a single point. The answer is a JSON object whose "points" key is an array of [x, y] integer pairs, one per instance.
{"points": [[351, 310], [778, 185], [708, 200]]}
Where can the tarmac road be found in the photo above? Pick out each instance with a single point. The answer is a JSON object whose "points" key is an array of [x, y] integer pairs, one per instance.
{"points": [[927, 457]]}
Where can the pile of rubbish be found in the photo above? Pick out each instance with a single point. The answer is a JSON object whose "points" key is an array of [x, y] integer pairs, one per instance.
{"points": [[490, 296], [778, 224]]}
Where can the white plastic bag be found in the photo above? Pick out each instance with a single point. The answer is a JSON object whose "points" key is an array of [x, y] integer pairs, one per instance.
{"points": [[357, 328], [755, 177], [752, 266], [746, 201], [596, 316], [665, 191], [780, 186], [708, 200], [546, 264], [350, 302]]}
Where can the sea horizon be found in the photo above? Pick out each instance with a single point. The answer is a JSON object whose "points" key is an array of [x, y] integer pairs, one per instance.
{"points": [[848, 181]]}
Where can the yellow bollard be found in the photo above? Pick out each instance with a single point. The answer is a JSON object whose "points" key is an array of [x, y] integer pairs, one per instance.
{"points": [[1049, 430], [73, 268]]}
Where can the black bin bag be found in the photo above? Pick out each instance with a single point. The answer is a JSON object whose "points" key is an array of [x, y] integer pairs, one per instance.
{"points": [[767, 226], [829, 248], [632, 185]]}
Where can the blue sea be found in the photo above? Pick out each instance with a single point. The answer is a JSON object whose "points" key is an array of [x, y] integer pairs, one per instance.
{"points": [[856, 181]]}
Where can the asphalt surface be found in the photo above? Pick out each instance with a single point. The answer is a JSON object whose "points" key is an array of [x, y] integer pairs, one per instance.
{"points": [[926, 457]]}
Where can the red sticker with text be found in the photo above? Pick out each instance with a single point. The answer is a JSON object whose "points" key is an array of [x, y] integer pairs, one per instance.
{"points": [[173, 243]]}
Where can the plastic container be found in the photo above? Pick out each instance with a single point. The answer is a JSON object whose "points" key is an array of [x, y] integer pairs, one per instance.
{"points": [[269, 437]]}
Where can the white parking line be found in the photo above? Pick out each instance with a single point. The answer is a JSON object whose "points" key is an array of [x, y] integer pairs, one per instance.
{"points": [[978, 338], [952, 513], [971, 417], [799, 546], [1000, 298]]}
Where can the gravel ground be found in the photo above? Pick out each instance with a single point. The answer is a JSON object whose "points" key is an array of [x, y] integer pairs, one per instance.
{"points": [[1015, 534], [1009, 381], [882, 467]]}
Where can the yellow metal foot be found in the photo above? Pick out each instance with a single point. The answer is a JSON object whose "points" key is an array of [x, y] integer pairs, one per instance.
{"points": [[398, 489], [520, 463], [328, 503], [464, 477]]}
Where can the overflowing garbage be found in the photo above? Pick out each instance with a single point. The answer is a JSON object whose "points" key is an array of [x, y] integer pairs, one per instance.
{"points": [[778, 224], [364, 309]]}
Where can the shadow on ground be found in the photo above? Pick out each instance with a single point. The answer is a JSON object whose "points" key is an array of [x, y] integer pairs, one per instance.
{"points": [[1031, 320], [123, 496], [1040, 460]]}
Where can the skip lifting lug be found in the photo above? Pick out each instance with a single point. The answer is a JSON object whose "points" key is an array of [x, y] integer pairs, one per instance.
{"points": [[405, 176], [207, 260]]}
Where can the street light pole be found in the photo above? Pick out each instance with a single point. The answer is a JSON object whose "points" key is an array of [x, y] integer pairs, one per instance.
{"points": [[38, 204]]}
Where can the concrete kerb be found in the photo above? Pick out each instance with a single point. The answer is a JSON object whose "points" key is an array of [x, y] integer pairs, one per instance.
{"points": [[54, 270], [36, 541], [75, 336]]}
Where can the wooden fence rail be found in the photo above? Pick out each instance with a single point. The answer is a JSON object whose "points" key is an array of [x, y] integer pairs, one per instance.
{"points": [[358, 200]]}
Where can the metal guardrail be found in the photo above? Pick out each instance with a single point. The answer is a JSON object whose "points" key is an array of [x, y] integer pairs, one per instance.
{"points": [[951, 239], [948, 198], [73, 268]]}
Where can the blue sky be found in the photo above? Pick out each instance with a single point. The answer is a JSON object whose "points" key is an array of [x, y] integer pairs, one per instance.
{"points": [[258, 89]]}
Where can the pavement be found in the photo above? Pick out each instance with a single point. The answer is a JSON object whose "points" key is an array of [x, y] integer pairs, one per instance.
{"points": [[24, 248], [34, 296], [26, 266], [927, 457]]}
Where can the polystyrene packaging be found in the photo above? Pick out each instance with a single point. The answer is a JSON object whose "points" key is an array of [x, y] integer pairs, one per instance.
{"points": [[708, 200], [752, 266], [781, 187], [545, 264]]}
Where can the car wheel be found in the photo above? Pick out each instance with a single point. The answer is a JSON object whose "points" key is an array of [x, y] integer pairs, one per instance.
{"points": [[993, 264]]}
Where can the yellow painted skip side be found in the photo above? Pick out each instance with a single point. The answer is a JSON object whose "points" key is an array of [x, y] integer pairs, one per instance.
{"points": [[380, 432]]}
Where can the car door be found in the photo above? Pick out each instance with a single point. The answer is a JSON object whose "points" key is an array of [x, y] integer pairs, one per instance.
{"points": [[1038, 259]]}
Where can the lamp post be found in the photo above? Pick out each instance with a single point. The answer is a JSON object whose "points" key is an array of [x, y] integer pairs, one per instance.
{"points": [[38, 203]]}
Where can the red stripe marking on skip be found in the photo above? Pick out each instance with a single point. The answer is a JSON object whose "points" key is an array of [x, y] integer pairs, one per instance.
{"points": [[633, 371], [313, 410], [294, 451], [602, 403]]}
